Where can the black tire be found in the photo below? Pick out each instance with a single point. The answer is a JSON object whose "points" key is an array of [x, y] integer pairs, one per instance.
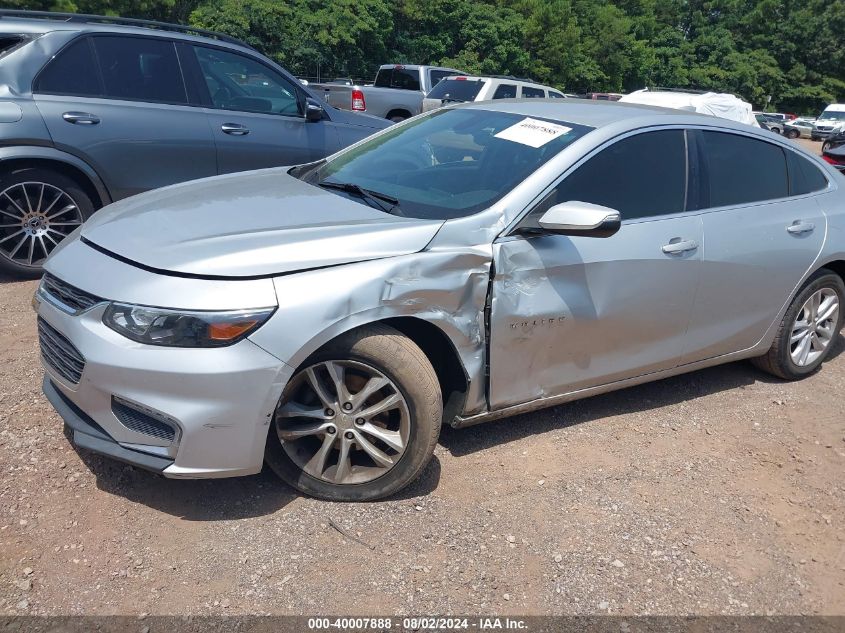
{"points": [[793, 134], [404, 363], [17, 263], [778, 361], [826, 146], [397, 118]]}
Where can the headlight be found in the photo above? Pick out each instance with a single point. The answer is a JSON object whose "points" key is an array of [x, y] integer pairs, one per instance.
{"points": [[181, 328]]}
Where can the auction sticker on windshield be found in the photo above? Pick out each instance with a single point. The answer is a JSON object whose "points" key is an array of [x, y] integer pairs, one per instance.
{"points": [[533, 132]]}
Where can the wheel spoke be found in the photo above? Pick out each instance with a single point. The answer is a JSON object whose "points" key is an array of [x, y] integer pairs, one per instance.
{"points": [[373, 384], [797, 334], [14, 251], [8, 237], [31, 251], [296, 431], [316, 466], [373, 451], [344, 464], [804, 350], [26, 197], [53, 203], [40, 198], [61, 211], [73, 223], [322, 394], [17, 206], [296, 410], [828, 308], [391, 402], [392, 438], [337, 373]]}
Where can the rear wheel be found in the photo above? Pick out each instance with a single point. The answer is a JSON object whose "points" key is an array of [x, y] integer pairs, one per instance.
{"points": [[826, 146], [793, 134], [809, 329], [38, 209], [359, 420]]}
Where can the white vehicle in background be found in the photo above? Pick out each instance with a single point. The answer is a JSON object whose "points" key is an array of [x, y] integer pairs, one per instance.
{"points": [[831, 120], [462, 88], [722, 105]]}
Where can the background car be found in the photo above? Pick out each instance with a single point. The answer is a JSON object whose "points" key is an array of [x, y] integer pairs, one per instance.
{"points": [[772, 124], [462, 88], [835, 139], [836, 157], [98, 109], [797, 128]]}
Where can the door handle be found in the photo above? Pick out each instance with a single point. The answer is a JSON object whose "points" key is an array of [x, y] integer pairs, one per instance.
{"points": [[674, 248], [799, 227], [235, 129], [81, 118]]}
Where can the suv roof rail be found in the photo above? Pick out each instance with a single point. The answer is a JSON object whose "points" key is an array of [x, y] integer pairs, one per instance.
{"points": [[109, 19], [512, 78]]}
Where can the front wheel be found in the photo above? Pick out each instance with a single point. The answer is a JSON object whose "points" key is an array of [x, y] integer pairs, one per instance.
{"points": [[360, 418], [826, 146], [808, 330], [792, 134]]}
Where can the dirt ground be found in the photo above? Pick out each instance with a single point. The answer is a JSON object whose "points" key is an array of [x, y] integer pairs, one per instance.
{"points": [[717, 492]]}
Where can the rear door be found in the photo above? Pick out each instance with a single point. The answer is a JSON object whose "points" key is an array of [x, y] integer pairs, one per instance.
{"points": [[763, 230], [256, 113], [120, 103], [569, 313]]}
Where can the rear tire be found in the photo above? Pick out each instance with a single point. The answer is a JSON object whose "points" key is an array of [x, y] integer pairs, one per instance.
{"points": [[826, 146], [39, 208], [792, 134], [785, 358], [331, 433]]}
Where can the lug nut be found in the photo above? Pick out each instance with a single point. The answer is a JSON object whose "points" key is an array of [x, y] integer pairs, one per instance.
{"points": [[359, 421], [329, 412], [349, 435], [331, 430]]}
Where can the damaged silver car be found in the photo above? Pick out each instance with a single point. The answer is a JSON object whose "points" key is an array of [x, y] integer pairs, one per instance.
{"points": [[473, 263]]}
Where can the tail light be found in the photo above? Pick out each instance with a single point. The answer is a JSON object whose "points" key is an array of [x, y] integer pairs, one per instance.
{"points": [[832, 160], [358, 102]]}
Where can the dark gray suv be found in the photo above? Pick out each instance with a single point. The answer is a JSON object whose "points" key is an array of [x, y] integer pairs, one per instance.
{"points": [[96, 109]]}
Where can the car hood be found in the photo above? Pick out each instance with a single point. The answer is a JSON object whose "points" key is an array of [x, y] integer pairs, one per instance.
{"points": [[250, 225]]}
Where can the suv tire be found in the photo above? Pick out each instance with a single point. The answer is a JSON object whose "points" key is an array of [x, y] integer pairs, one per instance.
{"points": [[38, 207]]}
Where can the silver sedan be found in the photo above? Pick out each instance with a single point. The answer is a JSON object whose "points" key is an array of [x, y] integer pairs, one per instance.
{"points": [[469, 264]]}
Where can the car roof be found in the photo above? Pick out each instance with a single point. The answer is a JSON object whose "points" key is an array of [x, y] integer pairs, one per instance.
{"points": [[41, 25]]}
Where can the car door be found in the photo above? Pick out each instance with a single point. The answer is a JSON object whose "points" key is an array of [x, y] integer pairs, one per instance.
{"points": [[763, 230], [120, 103], [568, 313], [256, 114]]}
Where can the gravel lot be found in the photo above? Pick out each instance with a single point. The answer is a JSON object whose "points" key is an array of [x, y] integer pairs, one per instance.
{"points": [[718, 492]]}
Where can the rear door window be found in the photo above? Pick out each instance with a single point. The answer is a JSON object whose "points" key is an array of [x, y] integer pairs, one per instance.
{"points": [[398, 77], [140, 68], [533, 93], [555, 95], [72, 72], [505, 91], [456, 90], [804, 177], [640, 176], [742, 169]]}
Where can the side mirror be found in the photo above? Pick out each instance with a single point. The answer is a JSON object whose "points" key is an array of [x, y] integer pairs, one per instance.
{"points": [[581, 218], [313, 110]]}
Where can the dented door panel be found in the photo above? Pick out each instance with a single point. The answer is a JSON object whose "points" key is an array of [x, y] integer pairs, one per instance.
{"points": [[569, 313]]}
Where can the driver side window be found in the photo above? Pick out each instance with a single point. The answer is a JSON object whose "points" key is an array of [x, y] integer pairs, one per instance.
{"points": [[236, 82]]}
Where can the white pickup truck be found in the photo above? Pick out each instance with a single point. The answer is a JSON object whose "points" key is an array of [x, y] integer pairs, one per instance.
{"points": [[396, 94]]}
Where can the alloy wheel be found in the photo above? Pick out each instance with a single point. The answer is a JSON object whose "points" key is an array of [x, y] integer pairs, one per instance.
{"points": [[814, 327], [343, 422], [34, 218]]}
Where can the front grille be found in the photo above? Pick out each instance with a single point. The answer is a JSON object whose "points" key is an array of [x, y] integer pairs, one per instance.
{"points": [[141, 421], [70, 296], [59, 353]]}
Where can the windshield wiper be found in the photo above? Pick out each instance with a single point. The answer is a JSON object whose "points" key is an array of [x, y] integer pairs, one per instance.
{"points": [[375, 197]]}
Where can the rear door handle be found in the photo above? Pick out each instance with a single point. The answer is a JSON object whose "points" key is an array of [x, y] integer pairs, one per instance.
{"points": [[81, 118], [799, 226], [235, 129], [681, 246]]}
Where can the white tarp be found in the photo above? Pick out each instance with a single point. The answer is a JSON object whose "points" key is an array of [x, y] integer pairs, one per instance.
{"points": [[726, 106]]}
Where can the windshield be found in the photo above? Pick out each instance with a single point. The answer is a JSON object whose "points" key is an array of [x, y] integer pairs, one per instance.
{"points": [[452, 163], [456, 90], [833, 115]]}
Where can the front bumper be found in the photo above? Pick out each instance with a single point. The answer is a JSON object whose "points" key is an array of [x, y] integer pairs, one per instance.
{"points": [[222, 400]]}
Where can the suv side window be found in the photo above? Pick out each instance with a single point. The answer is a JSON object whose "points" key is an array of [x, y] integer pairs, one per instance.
{"points": [[804, 177], [742, 169], [236, 82], [72, 72], [555, 95], [140, 68], [505, 91], [533, 93], [640, 176], [436, 75]]}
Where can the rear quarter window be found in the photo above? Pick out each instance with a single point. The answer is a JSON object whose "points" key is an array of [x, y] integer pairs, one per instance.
{"points": [[804, 177], [533, 93], [72, 72]]}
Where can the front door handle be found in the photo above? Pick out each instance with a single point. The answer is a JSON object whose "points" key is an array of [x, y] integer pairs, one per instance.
{"points": [[799, 227], [680, 246], [235, 129], [81, 118]]}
